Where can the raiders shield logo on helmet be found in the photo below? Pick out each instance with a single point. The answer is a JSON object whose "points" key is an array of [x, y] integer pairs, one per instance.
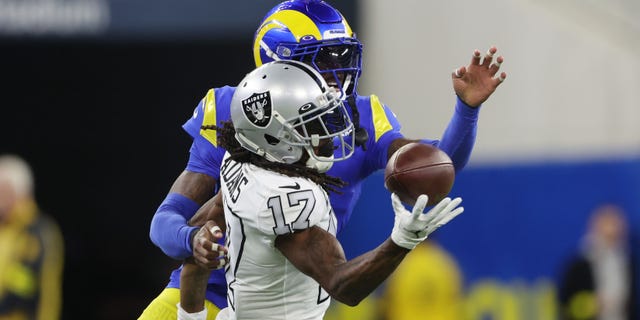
{"points": [[257, 108]]}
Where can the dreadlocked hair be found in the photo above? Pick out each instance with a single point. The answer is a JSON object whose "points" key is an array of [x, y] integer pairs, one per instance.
{"points": [[227, 139]]}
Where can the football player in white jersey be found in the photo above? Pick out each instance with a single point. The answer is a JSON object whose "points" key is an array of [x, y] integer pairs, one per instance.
{"points": [[284, 262]]}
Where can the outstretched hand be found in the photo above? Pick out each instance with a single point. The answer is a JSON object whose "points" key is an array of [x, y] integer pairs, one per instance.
{"points": [[477, 81], [411, 228]]}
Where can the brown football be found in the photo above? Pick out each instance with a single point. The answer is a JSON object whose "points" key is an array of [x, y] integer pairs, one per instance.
{"points": [[418, 168]]}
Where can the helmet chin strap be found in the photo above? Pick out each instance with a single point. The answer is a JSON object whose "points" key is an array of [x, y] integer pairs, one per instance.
{"points": [[321, 166]]}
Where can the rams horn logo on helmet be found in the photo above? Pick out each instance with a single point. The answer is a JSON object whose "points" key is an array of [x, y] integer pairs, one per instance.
{"points": [[257, 108]]}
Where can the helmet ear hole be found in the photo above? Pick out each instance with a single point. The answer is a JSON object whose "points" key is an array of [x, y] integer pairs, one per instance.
{"points": [[271, 139]]}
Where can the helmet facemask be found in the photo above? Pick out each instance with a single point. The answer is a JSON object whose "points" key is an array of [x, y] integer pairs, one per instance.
{"points": [[339, 61], [315, 33], [285, 112], [323, 129]]}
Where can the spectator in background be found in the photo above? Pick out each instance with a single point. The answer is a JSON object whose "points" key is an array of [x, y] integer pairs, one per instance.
{"points": [[426, 286], [598, 283], [31, 249]]}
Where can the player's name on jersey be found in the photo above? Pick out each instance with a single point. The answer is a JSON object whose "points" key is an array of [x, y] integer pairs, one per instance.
{"points": [[231, 173]]}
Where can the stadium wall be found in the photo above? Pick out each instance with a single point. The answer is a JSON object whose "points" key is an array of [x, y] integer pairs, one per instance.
{"points": [[521, 224]]}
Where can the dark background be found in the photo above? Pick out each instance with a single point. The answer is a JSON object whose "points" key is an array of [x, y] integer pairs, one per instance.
{"points": [[100, 125], [98, 116], [99, 120]]}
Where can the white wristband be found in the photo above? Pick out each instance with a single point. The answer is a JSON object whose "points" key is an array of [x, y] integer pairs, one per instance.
{"points": [[184, 315]]}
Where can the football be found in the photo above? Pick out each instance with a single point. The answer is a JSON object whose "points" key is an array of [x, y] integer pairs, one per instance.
{"points": [[418, 168]]}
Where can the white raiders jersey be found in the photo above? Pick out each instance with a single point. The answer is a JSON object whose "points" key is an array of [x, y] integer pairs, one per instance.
{"points": [[259, 205]]}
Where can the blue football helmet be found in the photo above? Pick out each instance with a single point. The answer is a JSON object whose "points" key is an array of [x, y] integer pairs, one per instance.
{"points": [[315, 33]]}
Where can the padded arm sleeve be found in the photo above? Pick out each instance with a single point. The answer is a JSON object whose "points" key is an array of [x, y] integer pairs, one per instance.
{"points": [[169, 229], [460, 135]]}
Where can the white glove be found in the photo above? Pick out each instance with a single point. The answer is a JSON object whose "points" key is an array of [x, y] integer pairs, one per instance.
{"points": [[411, 228]]}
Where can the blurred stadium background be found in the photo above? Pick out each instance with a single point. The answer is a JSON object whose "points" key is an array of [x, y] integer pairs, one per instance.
{"points": [[94, 93]]}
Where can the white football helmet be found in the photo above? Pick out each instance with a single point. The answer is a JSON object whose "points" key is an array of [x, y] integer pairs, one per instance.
{"points": [[283, 108]]}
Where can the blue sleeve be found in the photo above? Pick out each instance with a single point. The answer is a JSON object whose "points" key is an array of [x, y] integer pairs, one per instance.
{"points": [[460, 135], [205, 158], [169, 229], [381, 148]]}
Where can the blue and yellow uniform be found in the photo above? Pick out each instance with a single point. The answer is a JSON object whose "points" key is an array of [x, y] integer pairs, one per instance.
{"points": [[376, 118], [315, 33]]}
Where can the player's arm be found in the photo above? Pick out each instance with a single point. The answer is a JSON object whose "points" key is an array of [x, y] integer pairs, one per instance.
{"points": [[169, 228], [196, 185], [209, 217], [385, 137], [458, 139], [319, 255], [473, 85], [208, 255]]}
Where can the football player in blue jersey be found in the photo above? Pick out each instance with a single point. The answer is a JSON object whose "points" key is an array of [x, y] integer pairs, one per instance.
{"points": [[284, 259], [317, 34]]}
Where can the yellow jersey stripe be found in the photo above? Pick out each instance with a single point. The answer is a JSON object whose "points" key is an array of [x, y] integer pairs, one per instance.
{"points": [[298, 23], [380, 121], [210, 117]]}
